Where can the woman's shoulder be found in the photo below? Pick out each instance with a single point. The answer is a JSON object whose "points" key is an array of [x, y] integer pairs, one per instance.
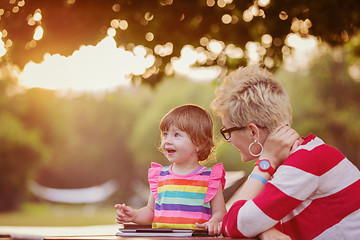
{"points": [[314, 156]]}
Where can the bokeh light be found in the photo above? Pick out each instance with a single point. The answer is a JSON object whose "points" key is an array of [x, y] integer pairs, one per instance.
{"points": [[210, 3], [354, 71], [263, 3], [2, 48], [149, 36], [38, 34], [226, 19], [283, 15]]}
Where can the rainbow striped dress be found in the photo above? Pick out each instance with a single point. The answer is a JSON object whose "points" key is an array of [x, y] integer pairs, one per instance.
{"points": [[183, 200]]}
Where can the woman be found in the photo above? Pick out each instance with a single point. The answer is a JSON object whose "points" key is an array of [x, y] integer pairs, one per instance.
{"points": [[300, 187]]}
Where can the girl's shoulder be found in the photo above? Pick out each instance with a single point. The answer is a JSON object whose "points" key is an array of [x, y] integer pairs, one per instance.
{"points": [[217, 177], [153, 176]]}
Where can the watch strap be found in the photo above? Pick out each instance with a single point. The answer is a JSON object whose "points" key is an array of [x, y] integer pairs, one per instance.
{"points": [[270, 170]]}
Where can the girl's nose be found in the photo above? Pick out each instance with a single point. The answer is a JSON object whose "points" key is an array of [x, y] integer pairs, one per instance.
{"points": [[166, 140]]}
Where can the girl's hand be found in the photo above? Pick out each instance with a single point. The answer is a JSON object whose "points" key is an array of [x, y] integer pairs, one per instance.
{"points": [[125, 213], [280, 144], [213, 227], [273, 234]]}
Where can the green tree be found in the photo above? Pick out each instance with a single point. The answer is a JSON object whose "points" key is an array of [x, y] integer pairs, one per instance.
{"points": [[154, 23], [22, 149], [326, 97], [87, 136]]}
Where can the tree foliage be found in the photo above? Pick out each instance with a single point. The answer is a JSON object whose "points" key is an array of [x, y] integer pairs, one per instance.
{"points": [[326, 97], [87, 136], [22, 150], [88, 139], [154, 23]]}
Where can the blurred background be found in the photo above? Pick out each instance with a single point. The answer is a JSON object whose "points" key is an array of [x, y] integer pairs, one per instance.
{"points": [[84, 84]]}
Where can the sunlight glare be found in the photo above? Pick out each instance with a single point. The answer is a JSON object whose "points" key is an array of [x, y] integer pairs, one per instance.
{"points": [[283, 15], [123, 25], [21, 3], [111, 32], [263, 3], [266, 40], [188, 54], [252, 52], [37, 16], [210, 3], [115, 23], [183, 66], [296, 41], [221, 3], [116, 7], [216, 46], [234, 52], [2, 48], [38, 34], [139, 51], [16, 9], [226, 18], [164, 50], [304, 49], [354, 72], [247, 16], [149, 36], [91, 68]]}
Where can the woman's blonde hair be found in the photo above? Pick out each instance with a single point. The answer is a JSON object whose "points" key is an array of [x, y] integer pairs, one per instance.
{"points": [[196, 122], [252, 95]]}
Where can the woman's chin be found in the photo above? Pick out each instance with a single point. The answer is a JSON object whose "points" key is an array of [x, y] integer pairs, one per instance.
{"points": [[246, 158]]}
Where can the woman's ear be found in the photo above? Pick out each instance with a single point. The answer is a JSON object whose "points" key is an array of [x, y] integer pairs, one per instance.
{"points": [[254, 130]]}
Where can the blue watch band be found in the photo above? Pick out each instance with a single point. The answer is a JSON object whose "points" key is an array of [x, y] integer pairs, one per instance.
{"points": [[258, 177]]}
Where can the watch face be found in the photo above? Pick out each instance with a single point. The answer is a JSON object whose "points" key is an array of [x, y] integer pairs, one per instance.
{"points": [[265, 165]]}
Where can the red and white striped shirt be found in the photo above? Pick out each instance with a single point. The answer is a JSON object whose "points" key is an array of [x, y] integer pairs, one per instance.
{"points": [[314, 194]]}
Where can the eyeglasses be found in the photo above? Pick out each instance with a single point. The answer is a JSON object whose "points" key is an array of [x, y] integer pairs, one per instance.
{"points": [[226, 132]]}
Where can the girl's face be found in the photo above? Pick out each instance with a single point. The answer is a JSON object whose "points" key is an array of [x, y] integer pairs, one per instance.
{"points": [[241, 139], [178, 147]]}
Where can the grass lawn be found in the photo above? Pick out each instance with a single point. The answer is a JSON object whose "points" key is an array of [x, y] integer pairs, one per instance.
{"points": [[40, 214]]}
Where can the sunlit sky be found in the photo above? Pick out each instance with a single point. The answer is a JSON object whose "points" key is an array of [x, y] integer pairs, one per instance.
{"points": [[105, 66], [99, 67]]}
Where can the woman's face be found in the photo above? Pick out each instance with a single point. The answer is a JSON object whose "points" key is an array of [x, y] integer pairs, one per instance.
{"points": [[241, 139]]}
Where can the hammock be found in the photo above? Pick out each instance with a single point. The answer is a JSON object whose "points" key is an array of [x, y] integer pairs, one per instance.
{"points": [[89, 195]]}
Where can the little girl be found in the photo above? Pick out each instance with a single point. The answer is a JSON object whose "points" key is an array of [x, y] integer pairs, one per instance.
{"points": [[184, 194]]}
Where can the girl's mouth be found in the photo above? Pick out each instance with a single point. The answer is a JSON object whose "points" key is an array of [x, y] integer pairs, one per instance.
{"points": [[170, 151]]}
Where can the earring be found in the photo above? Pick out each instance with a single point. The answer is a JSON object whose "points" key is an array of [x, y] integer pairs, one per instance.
{"points": [[255, 155]]}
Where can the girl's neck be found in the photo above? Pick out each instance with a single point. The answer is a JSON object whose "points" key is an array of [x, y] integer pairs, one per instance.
{"points": [[185, 169]]}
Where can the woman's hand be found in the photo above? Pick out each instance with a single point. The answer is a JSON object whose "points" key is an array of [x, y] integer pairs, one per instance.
{"points": [[279, 144], [213, 227], [125, 213]]}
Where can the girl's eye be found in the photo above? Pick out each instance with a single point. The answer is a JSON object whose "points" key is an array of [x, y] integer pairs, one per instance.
{"points": [[164, 134], [177, 135]]}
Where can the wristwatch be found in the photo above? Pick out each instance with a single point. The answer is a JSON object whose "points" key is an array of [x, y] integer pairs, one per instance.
{"points": [[265, 166]]}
